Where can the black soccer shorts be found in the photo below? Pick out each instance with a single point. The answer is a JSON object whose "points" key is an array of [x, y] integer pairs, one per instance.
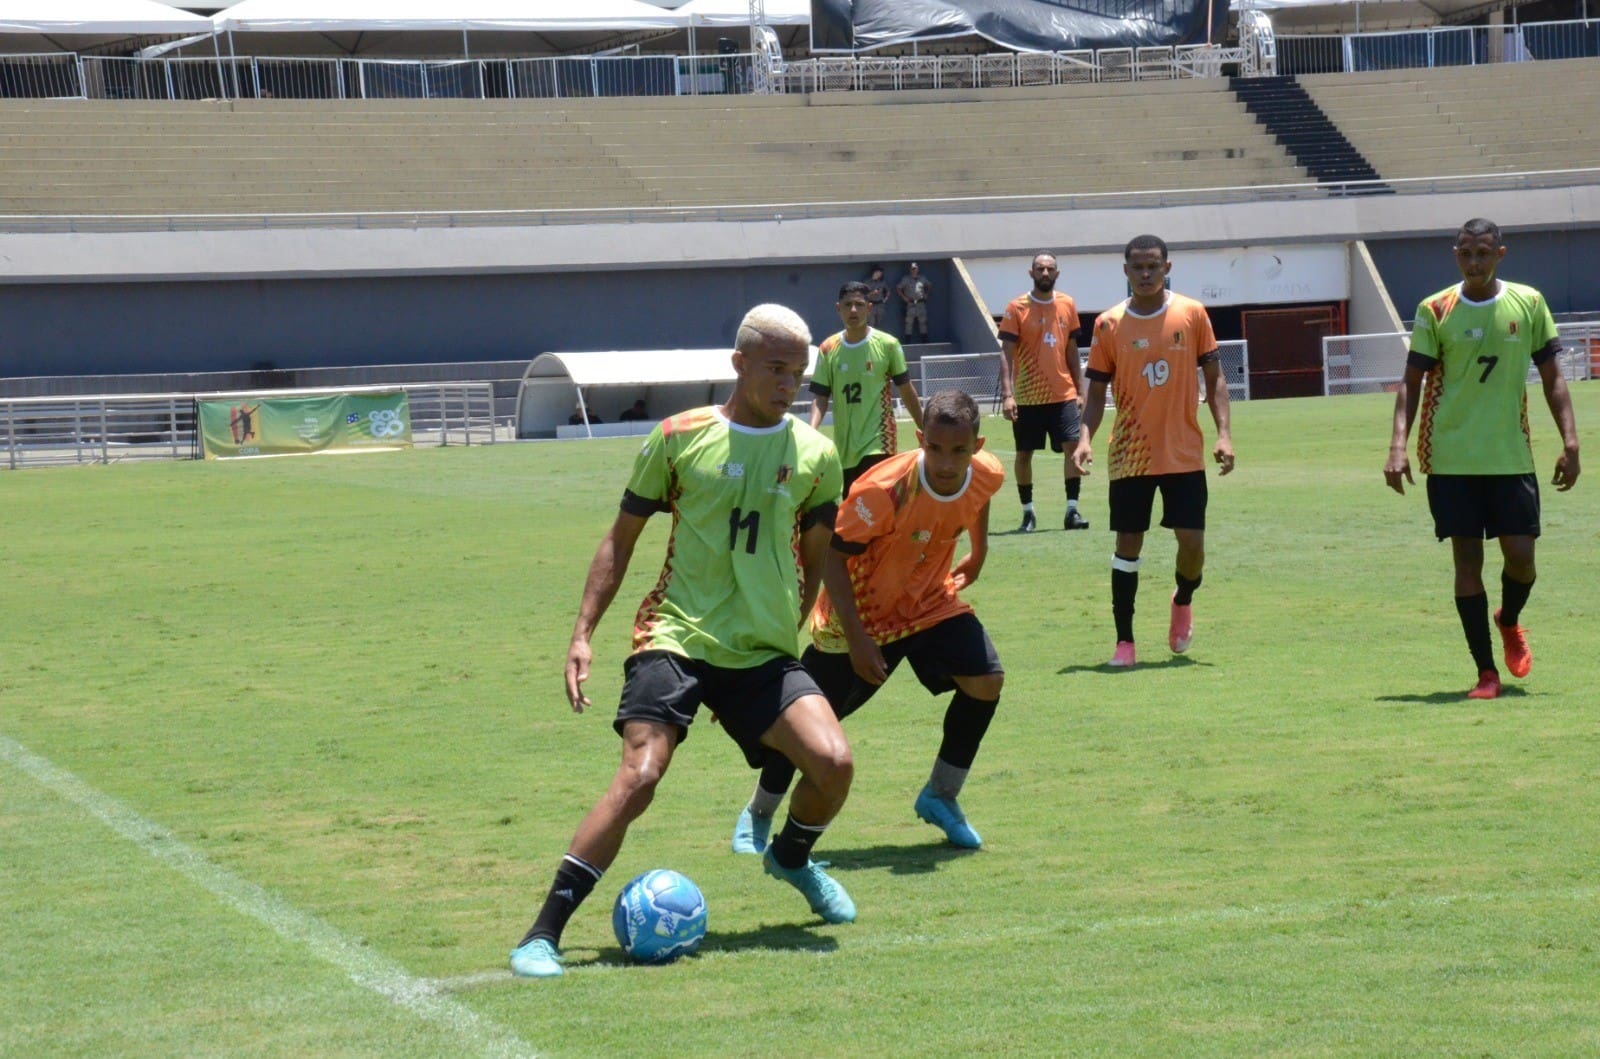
{"points": [[669, 689], [1484, 506], [1035, 422]]}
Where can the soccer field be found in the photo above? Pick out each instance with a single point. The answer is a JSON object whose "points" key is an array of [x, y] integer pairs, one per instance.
{"points": [[285, 769]]}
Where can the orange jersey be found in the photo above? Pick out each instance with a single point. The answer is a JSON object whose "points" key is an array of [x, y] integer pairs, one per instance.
{"points": [[908, 536], [1153, 366], [1042, 332]]}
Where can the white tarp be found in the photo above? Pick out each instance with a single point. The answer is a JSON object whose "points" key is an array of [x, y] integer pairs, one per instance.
{"points": [[97, 17], [606, 382], [737, 12], [531, 16]]}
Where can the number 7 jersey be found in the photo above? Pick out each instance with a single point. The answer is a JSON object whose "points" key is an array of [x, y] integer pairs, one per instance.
{"points": [[1473, 416], [1153, 366], [729, 591]]}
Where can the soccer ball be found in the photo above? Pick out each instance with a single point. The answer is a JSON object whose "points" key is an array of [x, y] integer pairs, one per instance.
{"points": [[659, 916]]}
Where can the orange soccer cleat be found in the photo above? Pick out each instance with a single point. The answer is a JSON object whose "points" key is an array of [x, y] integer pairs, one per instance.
{"points": [[1488, 686], [1519, 657]]}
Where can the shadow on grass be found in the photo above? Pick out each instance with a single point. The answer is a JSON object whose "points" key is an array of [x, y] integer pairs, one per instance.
{"points": [[1170, 662], [900, 860], [1451, 698], [787, 937]]}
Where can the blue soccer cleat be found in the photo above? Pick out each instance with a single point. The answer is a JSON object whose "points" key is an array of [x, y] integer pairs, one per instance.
{"points": [[826, 897], [537, 959], [947, 816], [750, 833]]}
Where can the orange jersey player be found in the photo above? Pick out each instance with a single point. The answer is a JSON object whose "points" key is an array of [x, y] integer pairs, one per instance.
{"points": [[892, 593], [1151, 350], [1041, 381]]}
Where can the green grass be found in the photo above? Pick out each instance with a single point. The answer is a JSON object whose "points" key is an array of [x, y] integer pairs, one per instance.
{"points": [[339, 679]]}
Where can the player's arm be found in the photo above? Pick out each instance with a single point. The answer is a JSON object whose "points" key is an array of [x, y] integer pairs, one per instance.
{"points": [[819, 406], [1094, 410], [865, 657], [967, 570], [1075, 368], [1008, 367], [1221, 411], [1397, 469], [1560, 402], [606, 571], [909, 398], [815, 533]]}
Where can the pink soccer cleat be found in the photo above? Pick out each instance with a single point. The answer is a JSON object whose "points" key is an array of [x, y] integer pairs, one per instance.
{"points": [[1488, 686], [1123, 657], [1518, 655], [1181, 629]]}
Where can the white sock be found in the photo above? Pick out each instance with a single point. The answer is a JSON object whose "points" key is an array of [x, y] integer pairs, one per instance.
{"points": [[1072, 505], [1028, 507], [946, 780], [764, 803]]}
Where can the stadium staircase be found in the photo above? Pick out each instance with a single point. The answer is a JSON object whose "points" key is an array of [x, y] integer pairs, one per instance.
{"points": [[1468, 119], [1294, 119]]}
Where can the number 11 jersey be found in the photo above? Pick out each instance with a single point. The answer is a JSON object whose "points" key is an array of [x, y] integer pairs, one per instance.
{"points": [[729, 591]]}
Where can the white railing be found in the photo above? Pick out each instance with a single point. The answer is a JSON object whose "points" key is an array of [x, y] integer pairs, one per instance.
{"points": [[106, 428], [1377, 362], [1437, 46], [1259, 52]]}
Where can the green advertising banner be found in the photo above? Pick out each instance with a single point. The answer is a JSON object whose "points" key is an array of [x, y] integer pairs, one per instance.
{"points": [[288, 426]]}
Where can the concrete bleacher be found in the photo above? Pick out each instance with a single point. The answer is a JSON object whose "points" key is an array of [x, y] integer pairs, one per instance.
{"points": [[78, 157], [1463, 120]]}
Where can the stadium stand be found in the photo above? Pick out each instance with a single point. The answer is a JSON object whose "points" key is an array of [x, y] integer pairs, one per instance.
{"points": [[1424, 123], [89, 157]]}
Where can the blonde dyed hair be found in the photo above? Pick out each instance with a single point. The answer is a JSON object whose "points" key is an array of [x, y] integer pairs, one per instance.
{"points": [[770, 322]]}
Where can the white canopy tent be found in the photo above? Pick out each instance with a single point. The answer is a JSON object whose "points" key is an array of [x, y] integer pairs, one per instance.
{"points": [[1365, 16], [736, 13], [108, 18], [603, 383], [333, 16]]}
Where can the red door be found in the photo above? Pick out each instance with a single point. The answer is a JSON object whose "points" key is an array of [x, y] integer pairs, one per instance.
{"points": [[1286, 348]]}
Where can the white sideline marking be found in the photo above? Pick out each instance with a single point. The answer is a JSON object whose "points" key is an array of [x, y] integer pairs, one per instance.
{"points": [[366, 968]]}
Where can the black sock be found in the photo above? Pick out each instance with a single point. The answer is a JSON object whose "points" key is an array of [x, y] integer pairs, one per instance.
{"points": [[965, 721], [1513, 597], [1074, 488], [1124, 587], [777, 773], [1025, 492], [1474, 611], [1185, 594], [575, 880], [792, 847]]}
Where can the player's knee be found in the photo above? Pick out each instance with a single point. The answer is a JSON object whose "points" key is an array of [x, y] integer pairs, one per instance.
{"points": [[832, 768], [635, 786], [985, 688]]}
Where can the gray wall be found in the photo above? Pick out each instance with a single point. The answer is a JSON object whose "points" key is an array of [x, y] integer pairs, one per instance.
{"points": [[113, 328], [1558, 263]]}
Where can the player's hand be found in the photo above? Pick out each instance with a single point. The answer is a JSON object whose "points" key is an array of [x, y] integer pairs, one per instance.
{"points": [[1222, 452], [867, 661], [578, 658], [963, 573], [1566, 470], [1083, 457], [1008, 408], [1399, 467]]}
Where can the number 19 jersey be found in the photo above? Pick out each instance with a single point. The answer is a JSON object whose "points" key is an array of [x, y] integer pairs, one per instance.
{"points": [[729, 591], [1153, 366], [1474, 406]]}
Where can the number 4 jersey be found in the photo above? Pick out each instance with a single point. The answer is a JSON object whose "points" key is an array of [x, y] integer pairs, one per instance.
{"points": [[1153, 365], [729, 592], [1473, 416]]}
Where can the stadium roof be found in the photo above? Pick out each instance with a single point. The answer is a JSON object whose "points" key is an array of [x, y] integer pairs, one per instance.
{"points": [[333, 16], [97, 17]]}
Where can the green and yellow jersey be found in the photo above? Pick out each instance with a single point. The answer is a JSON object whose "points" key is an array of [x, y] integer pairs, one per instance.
{"points": [[856, 379], [729, 591], [1474, 407]]}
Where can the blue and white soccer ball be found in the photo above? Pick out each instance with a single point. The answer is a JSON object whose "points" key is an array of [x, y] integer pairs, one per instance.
{"points": [[659, 916]]}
